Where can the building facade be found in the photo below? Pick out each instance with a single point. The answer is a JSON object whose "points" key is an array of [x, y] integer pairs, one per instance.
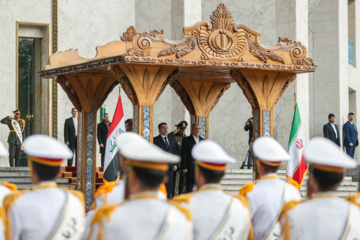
{"points": [[33, 30]]}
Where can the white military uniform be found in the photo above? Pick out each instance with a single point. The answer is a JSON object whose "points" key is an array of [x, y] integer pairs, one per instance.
{"points": [[268, 195], [145, 215], [46, 211], [37, 213], [216, 215], [325, 215], [266, 200]]}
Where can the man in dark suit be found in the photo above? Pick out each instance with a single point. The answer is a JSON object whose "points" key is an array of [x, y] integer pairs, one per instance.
{"points": [[102, 132], [70, 134], [331, 130], [187, 161], [167, 144], [350, 135]]}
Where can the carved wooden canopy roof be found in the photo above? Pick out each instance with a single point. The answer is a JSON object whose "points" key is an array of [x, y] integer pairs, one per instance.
{"points": [[209, 49]]}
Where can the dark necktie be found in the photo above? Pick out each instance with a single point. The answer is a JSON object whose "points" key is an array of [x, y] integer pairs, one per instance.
{"points": [[166, 142]]}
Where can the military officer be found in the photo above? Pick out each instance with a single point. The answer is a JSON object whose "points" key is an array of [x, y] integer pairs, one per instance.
{"points": [[5, 189], [267, 196], [144, 215], [46, 211], [230, 219], [324, 215], [15, 139], [178, 135]]}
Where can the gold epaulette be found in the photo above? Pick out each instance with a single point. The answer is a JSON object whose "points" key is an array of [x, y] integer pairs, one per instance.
{"points": [[78, 194], [23, 121], [105, 188], [288, 206], [104, 212], [354, 199], [10, 118], [246, 189], [185, 211], [242, 199], [10, 199], [182, 198], [10, 186]]}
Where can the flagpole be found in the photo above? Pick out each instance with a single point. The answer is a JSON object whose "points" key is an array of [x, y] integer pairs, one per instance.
{"points": [[295, 97]]}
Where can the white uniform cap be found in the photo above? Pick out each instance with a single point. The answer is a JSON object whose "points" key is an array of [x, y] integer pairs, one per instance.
{"points": [[135, 147], [269, 150], [210, 152], [46, 150], [3, 151], [322, 152]]}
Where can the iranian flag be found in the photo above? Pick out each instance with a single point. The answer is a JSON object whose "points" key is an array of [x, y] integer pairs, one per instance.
{"points": [[296, 167], [112, 158]]}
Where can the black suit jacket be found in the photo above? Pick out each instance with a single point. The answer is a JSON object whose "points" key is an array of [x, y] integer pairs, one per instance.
{"points": [[69, 132], [187, 161], [102, 132], [159, 141], [330, 134]]}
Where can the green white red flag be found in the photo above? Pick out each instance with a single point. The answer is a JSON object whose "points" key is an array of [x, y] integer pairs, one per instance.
{"points": [[112, 158], [296, 167]]}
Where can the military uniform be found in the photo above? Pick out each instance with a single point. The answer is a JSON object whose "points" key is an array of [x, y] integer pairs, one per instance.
{"points": [[230, 219], [325, 215], [46, 211], [13, 139], [144, 215], [268, 195], [180, 180]]}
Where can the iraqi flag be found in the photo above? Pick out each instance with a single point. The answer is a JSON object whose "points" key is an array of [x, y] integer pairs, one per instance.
{"points": [[296, 167], [112, 158]]}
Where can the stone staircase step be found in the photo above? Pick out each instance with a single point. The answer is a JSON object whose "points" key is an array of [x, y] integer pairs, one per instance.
{"points": [[28, 186]]}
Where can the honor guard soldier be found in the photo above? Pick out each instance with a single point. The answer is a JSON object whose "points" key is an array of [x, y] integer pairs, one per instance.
{"points": [[15, 139], [144, 215], [178, 135], [5, 189], [324, 215], [216, 214], [46, 211], [268, 195]]}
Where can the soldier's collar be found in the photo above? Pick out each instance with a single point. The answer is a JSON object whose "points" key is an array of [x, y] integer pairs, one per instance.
{"points": [[207, 187], [45, 184], [144, 195]]}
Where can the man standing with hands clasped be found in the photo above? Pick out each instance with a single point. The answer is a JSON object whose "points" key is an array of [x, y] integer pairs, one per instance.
{"points": [[102, 132], [331, 130], [350, 135]]}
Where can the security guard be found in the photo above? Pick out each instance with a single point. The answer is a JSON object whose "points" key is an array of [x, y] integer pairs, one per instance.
{"points": [[267, 196], [15, 139], [5, 189], [178, 135], [216, 214], [144, 215], [46, 211], [324, 215]]}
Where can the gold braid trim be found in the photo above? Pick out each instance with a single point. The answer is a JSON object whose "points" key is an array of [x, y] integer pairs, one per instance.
{"points": [[185, 211], [105, 188], [10, 186], [246, 189], [181, 198], [354, 199], [9, 201], [288, 206], [245, 202]]}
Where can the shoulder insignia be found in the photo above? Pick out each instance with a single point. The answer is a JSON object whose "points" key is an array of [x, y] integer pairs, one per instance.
{"points": [[10, 199], [10, 118], [10, 186], [354, 199], [104, 211], [185, 211], [182, 198], [288, 206], [23, 121], [162, 188], [246, 189], [78, 194], [105, 188]]}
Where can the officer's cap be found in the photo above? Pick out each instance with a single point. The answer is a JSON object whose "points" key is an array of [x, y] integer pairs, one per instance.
{"points": [[3, 151], [17, 111], [211, 155], [46, 150], [269, 151], [182, 124], [325, 155], [142, 154]]}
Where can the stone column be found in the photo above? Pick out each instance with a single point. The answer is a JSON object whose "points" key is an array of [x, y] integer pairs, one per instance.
{"points": [[292, 22]]}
